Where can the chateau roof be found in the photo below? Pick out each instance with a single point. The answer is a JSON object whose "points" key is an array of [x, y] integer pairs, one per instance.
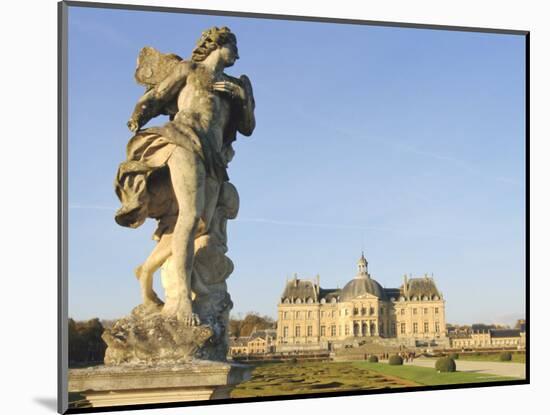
{"points": [[329, 293], [239, 341], [263, 334], [360, 286], [420, 287], [392, 292], [505, 333], [296, 288]]}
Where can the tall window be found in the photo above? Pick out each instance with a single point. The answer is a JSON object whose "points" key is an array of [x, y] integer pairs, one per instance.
{"points": [[355, 311], [332, 314], [414, 310], [347, 330], [437, 326], [436, 310], [322, 330], [297, 331], [403, 328], [285, 331], [297, 314], [393, 328], [415, 327], [371, 311], [285, 315], [402, 311], [426, 328], [309, 315], [333, 331], [425, 311], [309, 331]]}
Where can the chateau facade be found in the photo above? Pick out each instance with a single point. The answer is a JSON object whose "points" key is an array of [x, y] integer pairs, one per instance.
{"points": [[314, 318]]}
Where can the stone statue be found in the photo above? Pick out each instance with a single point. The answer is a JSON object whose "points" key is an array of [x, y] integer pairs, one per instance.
{"points": [[177, 175]]}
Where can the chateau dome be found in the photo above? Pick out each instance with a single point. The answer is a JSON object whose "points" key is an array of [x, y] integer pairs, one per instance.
{"points": [[362, 284]]}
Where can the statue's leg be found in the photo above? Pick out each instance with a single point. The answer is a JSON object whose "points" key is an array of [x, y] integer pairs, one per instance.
{"points": [[188, 181], [145, 272]]}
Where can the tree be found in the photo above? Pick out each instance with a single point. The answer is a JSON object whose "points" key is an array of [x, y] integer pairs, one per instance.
{"points": [[250, 323]]}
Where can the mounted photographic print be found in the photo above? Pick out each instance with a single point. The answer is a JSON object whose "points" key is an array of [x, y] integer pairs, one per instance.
{"points": [[261, 207]]}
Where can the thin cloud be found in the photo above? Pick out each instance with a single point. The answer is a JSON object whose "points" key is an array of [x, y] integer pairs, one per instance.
{"points": [[400, 146]]}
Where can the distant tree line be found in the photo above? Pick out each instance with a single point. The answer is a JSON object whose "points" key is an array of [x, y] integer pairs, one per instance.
{"points": [[85, 343], [243, 327]]}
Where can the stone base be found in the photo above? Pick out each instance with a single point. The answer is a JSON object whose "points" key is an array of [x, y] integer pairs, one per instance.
{"points": [[133, 385]]}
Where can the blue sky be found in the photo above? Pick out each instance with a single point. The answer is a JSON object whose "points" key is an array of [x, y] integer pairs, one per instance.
{"points": [[406, 143]]}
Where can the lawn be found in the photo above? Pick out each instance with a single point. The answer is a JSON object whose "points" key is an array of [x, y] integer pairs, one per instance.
{"points": [[313, 377], [429, 376]]}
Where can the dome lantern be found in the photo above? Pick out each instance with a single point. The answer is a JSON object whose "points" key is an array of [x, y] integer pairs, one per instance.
{"points": [[362, 266]]}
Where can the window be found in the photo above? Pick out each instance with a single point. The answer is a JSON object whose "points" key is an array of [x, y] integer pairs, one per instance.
{"points": [[426, 328], [393, 328], [436, 310], [347, 330], [309, 314], [414, 311], [339, 330], [285, 331], [309, 331], [322, 313], [363, 311], [425, 311], [332, 314], [403, 328], [355, 311], [346, 312], [322, 330], [415, 327], [285, 315], [436, 326], [382, 310], [381, 327], [297, 331], [333, 331], [297, 314], [371, 311], [402, 311]]}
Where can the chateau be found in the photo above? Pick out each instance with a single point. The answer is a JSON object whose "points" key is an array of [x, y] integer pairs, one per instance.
{"points": [[314, 318]]}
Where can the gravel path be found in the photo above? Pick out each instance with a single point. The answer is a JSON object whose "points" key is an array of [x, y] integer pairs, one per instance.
{"points": [[516, 370]]}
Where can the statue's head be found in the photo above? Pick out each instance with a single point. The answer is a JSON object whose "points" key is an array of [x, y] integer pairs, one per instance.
{"points": [[216, 38]]}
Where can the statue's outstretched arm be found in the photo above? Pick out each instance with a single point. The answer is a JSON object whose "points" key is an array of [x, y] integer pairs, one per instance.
{"points": [[153, 101], [247, 123]]}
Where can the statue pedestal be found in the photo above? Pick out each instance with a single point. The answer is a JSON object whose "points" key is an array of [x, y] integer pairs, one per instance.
{"points": [[133, 385]]}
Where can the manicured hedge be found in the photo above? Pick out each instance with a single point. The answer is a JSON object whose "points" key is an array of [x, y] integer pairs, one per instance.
{"points": [[373, 359], [506, 356], [445, 364], [395, 360], [453, 356]]}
